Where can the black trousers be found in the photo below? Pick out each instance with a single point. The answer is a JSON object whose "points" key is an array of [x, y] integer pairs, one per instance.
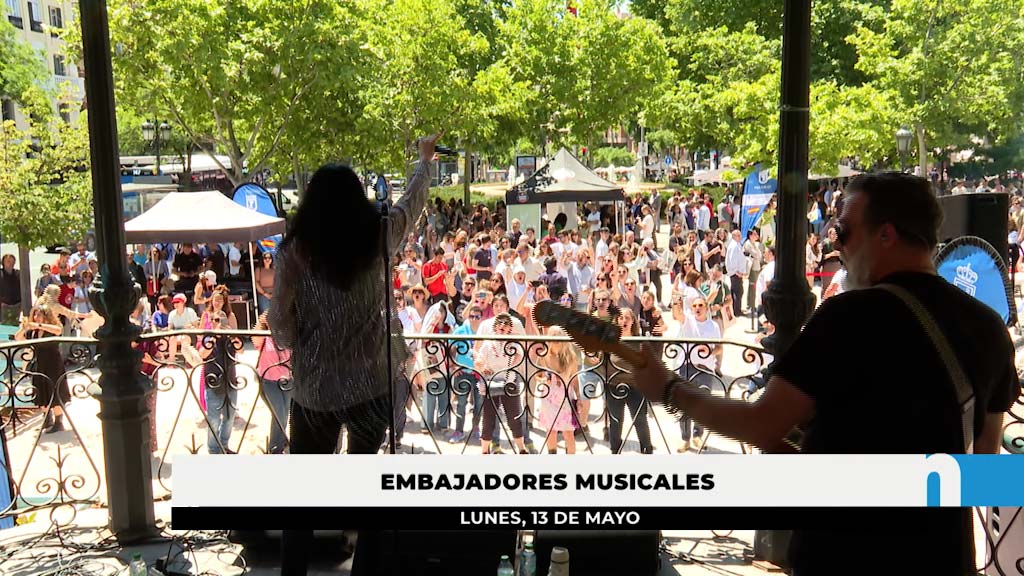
{"points": [[316, 432], [618, 397], [655, 276], [736, 283]]}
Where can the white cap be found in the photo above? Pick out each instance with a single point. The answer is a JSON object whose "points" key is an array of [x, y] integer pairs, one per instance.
{"points": [[210, 276], [648, 242], [518, 268]]}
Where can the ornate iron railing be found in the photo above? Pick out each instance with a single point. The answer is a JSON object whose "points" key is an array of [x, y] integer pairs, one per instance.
{"points": [[207, 381]]}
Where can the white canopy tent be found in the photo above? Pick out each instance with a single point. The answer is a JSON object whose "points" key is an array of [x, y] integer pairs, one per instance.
{"points": [[202, 216]]}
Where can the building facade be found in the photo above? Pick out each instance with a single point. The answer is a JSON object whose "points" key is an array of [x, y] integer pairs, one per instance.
{"points": [[38, 24]]}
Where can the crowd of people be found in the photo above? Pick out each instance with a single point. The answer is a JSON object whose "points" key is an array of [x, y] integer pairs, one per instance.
{"points": [[466, 271]]}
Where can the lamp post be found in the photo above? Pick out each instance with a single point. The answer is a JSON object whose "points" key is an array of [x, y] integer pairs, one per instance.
{"points": [[788, 302], [124, 414], [903, 138], [154, 135]]}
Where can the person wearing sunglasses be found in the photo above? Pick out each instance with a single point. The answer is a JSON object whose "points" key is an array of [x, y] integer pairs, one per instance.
{"points": [[699, 361], [465, 381], [499, 371], [887, 234]]}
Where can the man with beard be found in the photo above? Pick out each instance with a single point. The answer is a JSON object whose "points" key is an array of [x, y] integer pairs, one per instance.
{"points": [[887, 235]]}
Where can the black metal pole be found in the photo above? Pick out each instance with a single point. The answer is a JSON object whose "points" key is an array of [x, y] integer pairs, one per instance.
{"points": [[157, 137], [123, 412], [788, 302]]}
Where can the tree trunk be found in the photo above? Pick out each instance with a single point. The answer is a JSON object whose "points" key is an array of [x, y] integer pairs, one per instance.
{"points": [[300, 182], [26, 280], [468, 175], [922, 152]]}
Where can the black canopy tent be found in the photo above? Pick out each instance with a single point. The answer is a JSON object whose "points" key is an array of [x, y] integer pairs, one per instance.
{"points": [[564, 179]]}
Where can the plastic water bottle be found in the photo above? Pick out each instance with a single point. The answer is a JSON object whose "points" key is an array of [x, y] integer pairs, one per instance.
{"points": [[505, 567], [528, 561], [137, 566], [559, 562]]}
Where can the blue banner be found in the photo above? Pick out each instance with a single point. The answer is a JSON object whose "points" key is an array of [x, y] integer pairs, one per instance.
{"points": [[758, 190], [6, 496], [256, 197], [972, 265]]}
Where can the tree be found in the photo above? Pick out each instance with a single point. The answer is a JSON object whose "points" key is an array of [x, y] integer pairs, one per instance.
{"points": [[22, 71], [232, 73], [954, 68], [423, 60], [45, 188], [613, 155], [615, 63]]}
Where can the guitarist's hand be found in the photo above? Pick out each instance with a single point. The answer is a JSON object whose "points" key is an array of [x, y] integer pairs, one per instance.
{"points": [[650, 380]]}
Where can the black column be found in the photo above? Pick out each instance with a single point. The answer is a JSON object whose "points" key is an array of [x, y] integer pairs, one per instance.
{"points": [[123, 410], [788, 302]]}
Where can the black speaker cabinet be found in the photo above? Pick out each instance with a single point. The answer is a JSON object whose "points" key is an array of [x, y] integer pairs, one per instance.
{"points": [[602, 552], [985, 215]]}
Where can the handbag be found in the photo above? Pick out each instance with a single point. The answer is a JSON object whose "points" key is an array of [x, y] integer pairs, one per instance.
{"points": [[961, 385]]}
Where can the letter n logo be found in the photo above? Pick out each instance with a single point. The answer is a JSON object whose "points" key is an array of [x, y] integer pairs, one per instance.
{"points": [[943, 480]]}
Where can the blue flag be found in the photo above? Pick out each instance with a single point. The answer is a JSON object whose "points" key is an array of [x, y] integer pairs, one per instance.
{"points": [[972, 265], [256, 197], [758, 190]]}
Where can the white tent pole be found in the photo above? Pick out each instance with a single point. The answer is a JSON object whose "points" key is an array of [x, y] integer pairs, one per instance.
{"points": [[252, 273]]}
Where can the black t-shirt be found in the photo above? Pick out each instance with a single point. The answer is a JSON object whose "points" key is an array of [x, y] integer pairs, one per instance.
{"points": [[879, 386], [10, 287], [482, 259], [217, 262], [188, 262], [716, 258], [459, 304]]}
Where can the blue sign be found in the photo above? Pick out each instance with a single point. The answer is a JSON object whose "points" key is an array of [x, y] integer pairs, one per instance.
{"points": [[6, 495], [758, 190], [972, 265], [256, 197], [668, 160]]}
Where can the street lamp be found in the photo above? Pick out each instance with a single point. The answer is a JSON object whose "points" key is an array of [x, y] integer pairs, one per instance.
{"points": [[154, 135], [903, 138]]}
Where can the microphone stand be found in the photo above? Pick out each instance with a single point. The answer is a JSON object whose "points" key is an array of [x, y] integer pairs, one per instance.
{"points": [[384, 204]]}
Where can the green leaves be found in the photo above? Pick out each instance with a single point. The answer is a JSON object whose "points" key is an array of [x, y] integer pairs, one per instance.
{"points": [[45, 189], [953, 68]]}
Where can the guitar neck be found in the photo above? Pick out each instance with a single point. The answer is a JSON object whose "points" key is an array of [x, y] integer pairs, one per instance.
{"points": [[634, 357]]}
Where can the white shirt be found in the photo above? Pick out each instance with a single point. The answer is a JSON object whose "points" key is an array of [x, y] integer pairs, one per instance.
{"points": [[735, 261], [763, 279], [433, 316], [234, 260], [594, 221], [76, 259], [505, 271], [534, 268], [181, 321], [409, 318], [515, 292], [580, 278], [706, 330], [647, 227], [703, 217], [601, 250]]}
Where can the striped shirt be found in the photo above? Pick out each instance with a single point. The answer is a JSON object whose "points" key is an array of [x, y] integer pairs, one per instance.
{"points": [[337, 336]]}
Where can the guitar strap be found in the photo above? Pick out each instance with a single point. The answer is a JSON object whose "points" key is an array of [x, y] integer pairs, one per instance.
{"points": [[961, 385]]}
